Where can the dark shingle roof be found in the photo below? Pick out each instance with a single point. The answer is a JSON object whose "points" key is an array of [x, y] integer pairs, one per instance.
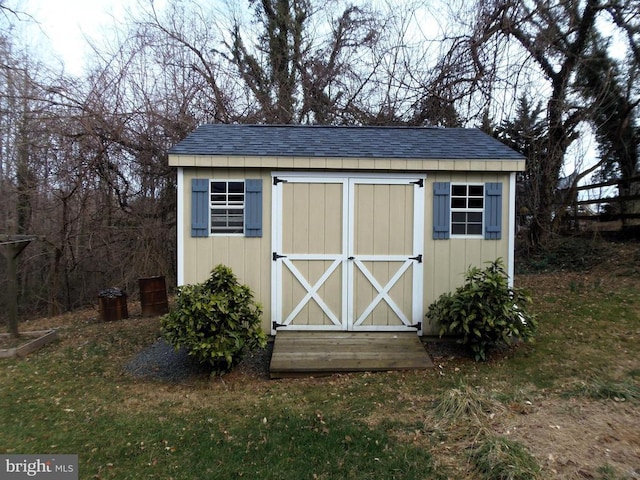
{"points": [[338, 141]]}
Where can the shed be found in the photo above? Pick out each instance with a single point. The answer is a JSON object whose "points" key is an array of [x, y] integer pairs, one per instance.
{"points": [[343, 228]]}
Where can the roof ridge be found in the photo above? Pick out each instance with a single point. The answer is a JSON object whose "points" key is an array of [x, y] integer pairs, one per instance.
{"points": [[358, 127]]}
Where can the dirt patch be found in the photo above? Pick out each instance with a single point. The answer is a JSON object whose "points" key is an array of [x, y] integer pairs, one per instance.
{"points": [[7, 342], [570, 438], [574, 438]]}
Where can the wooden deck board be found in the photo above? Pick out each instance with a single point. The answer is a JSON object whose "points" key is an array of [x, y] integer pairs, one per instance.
{"points": [[299, 353]]}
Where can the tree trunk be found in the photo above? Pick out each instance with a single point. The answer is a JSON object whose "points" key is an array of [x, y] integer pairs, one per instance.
{"points": [[12, 290]]}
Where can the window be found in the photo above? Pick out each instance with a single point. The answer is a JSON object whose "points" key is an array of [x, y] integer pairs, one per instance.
{"points": [[232, 207], [467, 207], [227, 203], [467, 210]]}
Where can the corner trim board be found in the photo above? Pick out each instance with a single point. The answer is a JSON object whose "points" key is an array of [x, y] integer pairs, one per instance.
{"points": [[180, 226]]}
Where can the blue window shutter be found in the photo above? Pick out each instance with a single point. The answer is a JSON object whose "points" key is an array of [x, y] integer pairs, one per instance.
{"points": [[441, 210], [253, 207], [199, 207], [493, 211]]}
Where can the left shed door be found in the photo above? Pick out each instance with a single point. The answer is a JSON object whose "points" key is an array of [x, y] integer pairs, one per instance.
{"points": [[309, 271]]}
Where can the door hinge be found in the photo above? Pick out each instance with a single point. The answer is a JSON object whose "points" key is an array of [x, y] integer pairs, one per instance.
{"points": [[351, 258], [275, 325], [419, 182], [276, 256], [417, 258], [417, 326], [277, 180]]}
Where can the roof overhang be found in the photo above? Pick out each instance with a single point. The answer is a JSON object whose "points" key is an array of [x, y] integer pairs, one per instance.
{"points": [[347, 163]]}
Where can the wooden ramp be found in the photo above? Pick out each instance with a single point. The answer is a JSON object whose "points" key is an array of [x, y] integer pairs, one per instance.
{"points": [[306, 353]]}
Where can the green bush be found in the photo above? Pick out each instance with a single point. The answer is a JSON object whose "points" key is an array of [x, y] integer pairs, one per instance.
{"points": [[485, 311], [216, 321]]}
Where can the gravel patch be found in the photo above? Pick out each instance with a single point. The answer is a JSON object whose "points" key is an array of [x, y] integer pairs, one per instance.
{"points": [[162, 362]]}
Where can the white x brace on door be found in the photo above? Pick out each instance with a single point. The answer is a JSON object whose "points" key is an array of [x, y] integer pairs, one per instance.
{"points": [[347, 252]]}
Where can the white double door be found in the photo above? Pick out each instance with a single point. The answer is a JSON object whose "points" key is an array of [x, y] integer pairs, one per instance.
{"points": [[347, 252]]}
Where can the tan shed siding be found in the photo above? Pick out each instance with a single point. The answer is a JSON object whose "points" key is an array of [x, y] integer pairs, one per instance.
{"points": [[493, 165], [314, 222], [249, 258], [462, 165], [384, 216], [255, 162], [366, 164], [446, 261]]}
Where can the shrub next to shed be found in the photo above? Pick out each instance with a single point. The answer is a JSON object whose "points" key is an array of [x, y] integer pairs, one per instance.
{"points": [[485, 311], [217, 321]]}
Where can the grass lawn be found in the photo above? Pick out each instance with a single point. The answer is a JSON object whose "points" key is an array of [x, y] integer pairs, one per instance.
{"points": [[566, 407]]}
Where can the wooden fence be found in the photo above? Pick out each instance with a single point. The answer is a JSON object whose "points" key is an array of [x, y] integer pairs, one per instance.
{"points": [[578, 212]]}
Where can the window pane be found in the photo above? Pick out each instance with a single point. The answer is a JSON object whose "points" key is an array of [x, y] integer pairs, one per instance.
{"points": [[458, 203], [236, 187], [218, 187], [219, 198], [236, 217], [218, 220], [458, 217], [474, 229], [457, 229], [474, 217], [476, 191], [219, 212], [475, 202], [236, 199], [459, 190]]}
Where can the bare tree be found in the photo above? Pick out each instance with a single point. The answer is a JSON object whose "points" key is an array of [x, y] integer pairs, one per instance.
{"points": [[294, 61], [515, 45], [610, 87]]}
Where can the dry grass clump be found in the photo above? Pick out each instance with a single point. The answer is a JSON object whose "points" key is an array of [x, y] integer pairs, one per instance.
{"points": [[466, 404], [498, 458], [606, 389]]}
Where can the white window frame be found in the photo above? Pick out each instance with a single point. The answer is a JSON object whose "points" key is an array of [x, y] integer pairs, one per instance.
{"points": [[226, 205], [466, 209]]}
